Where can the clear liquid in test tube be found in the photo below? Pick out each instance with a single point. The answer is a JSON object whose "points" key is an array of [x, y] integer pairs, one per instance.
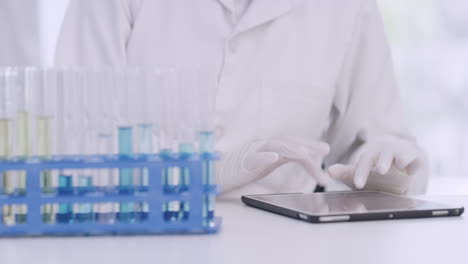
{"points": [[167, 129], [106, 108], [207, 98], [186, 118]]}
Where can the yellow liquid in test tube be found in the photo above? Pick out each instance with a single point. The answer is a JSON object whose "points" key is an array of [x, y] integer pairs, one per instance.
{"points": [[8, 185], [5, 152], [4, 138], [22, 144], [44, 148], [43, 133]]}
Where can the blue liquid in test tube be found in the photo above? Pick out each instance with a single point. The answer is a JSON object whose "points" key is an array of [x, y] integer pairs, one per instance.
{"points": [[85, 211], [126, 149], [146, 138], [126, 212], [167, 172], [206, 141], [65, 211], [186, 150]]}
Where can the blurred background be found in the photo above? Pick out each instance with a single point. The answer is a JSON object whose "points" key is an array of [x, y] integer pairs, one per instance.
{"points": [[429, 39]]}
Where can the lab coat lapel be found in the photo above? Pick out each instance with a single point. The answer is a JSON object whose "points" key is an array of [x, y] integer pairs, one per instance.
{"points": [[264, 11]]}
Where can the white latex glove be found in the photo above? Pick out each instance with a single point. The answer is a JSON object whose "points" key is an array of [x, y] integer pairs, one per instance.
{"points": [[256, 160], [384, 164]]}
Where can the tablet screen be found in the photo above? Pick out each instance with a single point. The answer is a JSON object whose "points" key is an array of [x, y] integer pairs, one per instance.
{"points": [[346, 202]]}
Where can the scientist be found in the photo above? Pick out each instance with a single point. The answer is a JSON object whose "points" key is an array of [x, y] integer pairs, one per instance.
{"points": [[302, 83], [19, 33]]}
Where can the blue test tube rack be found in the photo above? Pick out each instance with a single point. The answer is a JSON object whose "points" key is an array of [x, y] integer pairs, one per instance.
{"points": [[154, 221]]}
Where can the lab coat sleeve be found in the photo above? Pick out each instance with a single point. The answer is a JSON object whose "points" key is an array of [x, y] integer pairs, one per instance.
{"points": [[367, 105], [95, 33]]}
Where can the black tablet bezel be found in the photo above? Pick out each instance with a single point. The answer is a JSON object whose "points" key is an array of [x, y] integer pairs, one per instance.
{"points": [[250, 200]]}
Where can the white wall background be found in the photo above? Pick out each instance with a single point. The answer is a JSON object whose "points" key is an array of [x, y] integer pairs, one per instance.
{"points": [[430, 43]]}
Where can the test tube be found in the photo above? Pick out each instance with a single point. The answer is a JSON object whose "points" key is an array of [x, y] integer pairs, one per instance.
{"points": [[186, 117], [145, 126], [88, 140], [23, 136], [13, 85], [6, 116], [207, 98], [167, 135], [125, 143], [167, 130], [43, 84], [68, 137], [106, 110], [45, 98], [125, 129]]}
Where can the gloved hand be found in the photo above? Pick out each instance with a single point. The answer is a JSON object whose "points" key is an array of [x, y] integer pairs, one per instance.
{"points": [[384, 164], [258, 159]]}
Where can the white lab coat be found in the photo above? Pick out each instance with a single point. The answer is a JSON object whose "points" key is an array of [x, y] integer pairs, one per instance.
{"points": [[19, 33], [307, 69]]}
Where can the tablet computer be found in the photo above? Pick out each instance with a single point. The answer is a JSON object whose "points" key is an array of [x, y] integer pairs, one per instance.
{"points": [[349, 206]]}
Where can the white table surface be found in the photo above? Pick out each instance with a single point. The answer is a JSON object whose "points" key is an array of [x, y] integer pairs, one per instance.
{"points": [[249, 235]]}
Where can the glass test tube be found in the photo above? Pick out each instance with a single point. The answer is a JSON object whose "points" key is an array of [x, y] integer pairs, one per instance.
{"points": [[207, 98], [186, 118], [6, 112], [106, 110], [125, 144], [68, 137], [6, 116], [145, 127], [88, 140], [167, 135], [45, 91]]}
